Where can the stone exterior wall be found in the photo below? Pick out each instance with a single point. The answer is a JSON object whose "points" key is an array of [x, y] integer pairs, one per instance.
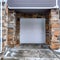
{"points": [[54, 28], [13, 27]]}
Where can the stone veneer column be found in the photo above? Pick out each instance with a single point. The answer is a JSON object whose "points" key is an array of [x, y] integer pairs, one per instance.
{"points": [[54, 28], [4, 26], [12, 41], [11, 28]]}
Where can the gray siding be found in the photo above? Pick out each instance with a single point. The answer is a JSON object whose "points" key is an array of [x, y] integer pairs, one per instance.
{"points": [[31, 3], [59, 3]]}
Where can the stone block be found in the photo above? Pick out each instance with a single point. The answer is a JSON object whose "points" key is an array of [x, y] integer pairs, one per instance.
{"points": [[54, 45], [56, 33], [55, 25]]}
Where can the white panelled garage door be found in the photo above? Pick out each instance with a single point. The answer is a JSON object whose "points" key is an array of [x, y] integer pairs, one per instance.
{"points": [[32, 30]]}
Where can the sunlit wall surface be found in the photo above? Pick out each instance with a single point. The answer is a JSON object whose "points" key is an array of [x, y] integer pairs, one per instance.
{"points": [[0, 27]]}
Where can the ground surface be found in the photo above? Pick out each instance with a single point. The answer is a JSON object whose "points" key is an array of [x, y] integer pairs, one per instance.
{"points": [[30, 52]]}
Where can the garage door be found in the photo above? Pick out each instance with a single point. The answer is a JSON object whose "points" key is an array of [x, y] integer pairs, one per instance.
{"points": [[32, 30]]}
